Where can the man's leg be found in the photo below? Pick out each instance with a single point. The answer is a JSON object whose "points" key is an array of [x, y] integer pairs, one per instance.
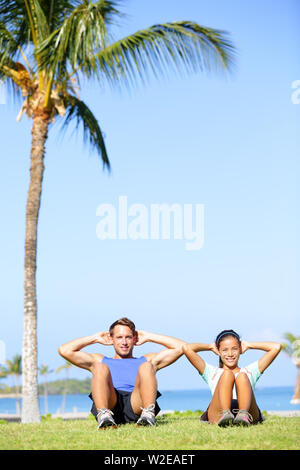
{"points": [[144, 394], [103, 394]]}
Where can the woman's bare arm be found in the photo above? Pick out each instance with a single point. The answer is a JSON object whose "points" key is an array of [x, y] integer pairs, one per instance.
{"points": [[191, 350], [272, 350]]}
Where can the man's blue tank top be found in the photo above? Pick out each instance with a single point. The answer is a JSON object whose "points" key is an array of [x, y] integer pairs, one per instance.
{"points": [[124, 371]]}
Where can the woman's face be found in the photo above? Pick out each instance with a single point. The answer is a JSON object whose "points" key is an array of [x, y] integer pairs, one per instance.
{"points": [[229, 350]]}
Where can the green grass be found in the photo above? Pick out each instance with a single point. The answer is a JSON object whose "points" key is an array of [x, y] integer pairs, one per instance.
{"points": [[179, 431]]}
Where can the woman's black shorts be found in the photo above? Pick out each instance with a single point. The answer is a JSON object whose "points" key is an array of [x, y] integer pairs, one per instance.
{"points": [[234, 409]]}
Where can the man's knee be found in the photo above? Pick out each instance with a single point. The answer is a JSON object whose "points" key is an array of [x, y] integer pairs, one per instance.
{"points": [[100, 369], [146, 367]]}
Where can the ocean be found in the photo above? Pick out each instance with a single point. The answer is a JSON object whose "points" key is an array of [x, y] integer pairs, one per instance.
{"points": [[268, 398]]}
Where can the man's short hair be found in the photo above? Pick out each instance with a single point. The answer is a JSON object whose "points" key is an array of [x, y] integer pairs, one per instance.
{"points": [[124, 322]]}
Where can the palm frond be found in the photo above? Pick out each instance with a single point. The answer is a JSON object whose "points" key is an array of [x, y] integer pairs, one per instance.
{"points": [[292, 347], [11, 10], [78, 110], [67, 365], [10, 48], [14, 366], [80, 35], [15, 14], [287, 349], [40, 20], [14, 78], [290, 337], [181, 46], [8, 45]]}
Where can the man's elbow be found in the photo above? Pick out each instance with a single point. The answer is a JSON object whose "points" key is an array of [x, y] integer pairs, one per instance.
{"points": [[185, 348], [62, 351]]}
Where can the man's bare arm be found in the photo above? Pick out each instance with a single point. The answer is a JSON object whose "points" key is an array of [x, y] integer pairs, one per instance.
{"points": [[168, 341], [71, 351], [165, 357]]}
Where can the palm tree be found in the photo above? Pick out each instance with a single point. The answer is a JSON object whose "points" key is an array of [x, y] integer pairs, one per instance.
{"points": [[3, 374], [14, 369], [292, 348], [44, 371], [46, 47], [66, 366]]}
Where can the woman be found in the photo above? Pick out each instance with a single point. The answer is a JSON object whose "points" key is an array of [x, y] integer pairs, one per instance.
{"points": [[233, 400]]}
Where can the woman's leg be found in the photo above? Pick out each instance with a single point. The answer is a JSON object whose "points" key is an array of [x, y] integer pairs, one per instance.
{"points": [[245, 396], [222, 397]]}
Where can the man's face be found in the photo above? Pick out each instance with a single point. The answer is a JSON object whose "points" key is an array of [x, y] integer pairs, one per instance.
{"points": [[123, 341]]}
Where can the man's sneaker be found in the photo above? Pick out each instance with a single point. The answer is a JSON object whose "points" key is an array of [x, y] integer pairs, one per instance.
{"points": [[243, 418], [226, 418], [105, 418], [147, 417]]}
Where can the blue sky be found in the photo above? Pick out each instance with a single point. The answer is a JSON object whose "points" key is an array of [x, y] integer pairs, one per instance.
{"points": [[230, 143]]}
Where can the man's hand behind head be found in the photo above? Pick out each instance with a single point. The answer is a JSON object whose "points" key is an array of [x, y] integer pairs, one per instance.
{"points": [[142, 337], [103, 337]]}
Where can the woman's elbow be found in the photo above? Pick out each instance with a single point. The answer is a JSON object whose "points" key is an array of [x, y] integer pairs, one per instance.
{"points": [[276, 348]]}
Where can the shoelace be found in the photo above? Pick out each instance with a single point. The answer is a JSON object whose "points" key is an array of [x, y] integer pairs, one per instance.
{"points": [[224, 412], [149, 411], [244, 413], [104, 410]]}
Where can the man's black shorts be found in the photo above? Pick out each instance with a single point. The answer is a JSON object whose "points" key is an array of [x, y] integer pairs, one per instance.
{"points": [[123, 412]]}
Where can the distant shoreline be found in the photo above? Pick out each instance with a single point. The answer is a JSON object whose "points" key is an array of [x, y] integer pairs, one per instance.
{"points": [[69, 392], [10, 395]]}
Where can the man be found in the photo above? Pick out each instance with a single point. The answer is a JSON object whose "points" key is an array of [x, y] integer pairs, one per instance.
{"points": [[124, 388]]}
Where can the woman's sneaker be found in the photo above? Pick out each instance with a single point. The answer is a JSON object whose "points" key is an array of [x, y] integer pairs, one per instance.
{"points": [[147, 417], [226, 418], [105, 418], [243, 418]]}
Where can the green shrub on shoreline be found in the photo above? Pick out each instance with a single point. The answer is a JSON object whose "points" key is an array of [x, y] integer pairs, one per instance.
{"points": [[58, 387]]}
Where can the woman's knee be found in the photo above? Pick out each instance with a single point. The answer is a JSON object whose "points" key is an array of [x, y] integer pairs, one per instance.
{"points": [[242, 377], [228, 375]]}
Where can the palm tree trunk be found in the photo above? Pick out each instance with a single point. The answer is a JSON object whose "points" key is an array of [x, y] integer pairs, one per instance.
{"points": [[30, 405], [18, 405], [46, 395]]}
